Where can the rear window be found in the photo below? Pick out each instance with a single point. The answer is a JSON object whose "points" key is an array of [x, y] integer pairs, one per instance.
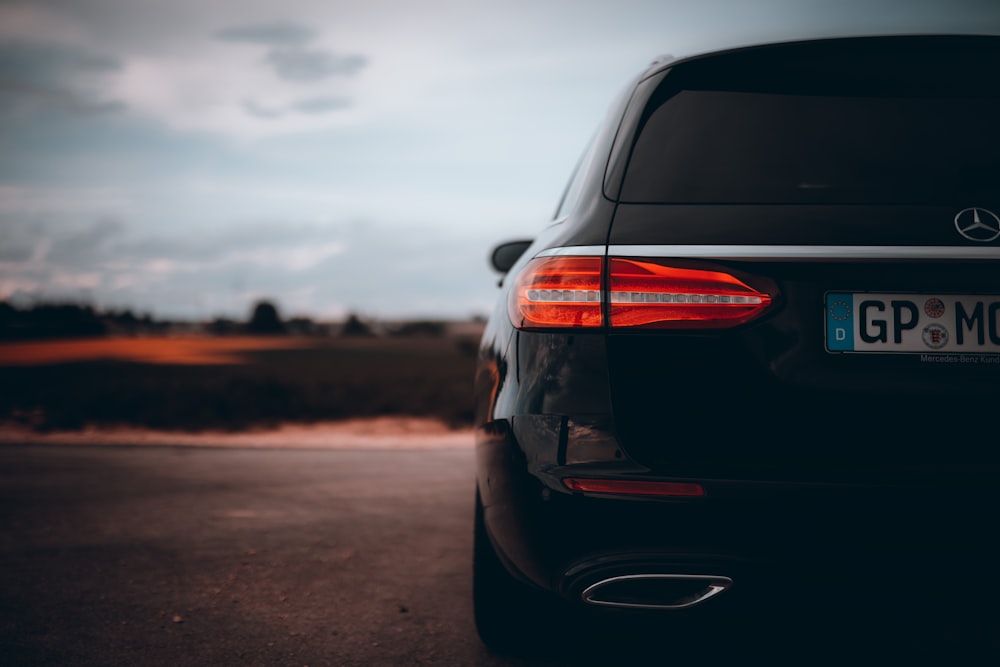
{"points": [[744, 146]]}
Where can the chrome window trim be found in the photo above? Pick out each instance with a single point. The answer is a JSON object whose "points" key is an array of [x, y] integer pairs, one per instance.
{"points": [[779, 253], [574, 251]]}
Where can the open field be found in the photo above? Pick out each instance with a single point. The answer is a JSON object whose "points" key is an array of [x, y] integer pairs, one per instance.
{"points": [[177, 350], [233, 383]]}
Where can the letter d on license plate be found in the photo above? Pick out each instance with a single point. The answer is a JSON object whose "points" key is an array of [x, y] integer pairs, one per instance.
{"points": [[912, 323]]}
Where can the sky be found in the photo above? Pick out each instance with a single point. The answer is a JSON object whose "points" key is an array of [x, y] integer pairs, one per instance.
{"points": [[188, 158]]}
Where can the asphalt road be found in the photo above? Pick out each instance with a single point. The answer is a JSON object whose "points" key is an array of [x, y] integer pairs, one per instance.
{"points": [[210, 556]]}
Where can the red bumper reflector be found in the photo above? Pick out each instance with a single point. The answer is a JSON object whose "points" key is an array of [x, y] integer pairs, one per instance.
{"points": [[632, 487]]}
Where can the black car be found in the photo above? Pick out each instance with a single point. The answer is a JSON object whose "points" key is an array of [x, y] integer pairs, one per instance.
{"points": [[755, 358]]}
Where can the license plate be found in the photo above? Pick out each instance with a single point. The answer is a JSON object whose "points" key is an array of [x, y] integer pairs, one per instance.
{"points": [[912, 323]]}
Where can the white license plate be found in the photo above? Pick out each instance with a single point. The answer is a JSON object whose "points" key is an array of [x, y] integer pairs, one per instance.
{"points": [[912, 323]]}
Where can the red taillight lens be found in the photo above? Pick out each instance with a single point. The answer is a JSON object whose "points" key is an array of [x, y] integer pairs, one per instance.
{"points": [[632, 487], [557, 292], [651, 295], [566, 293]]}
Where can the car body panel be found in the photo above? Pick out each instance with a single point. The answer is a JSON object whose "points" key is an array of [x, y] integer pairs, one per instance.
{"points": [[809, 458]]}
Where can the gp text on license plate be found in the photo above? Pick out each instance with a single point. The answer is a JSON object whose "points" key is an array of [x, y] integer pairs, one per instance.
{"points": [[912, 323]]}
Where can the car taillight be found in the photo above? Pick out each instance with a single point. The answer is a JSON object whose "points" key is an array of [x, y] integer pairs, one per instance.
{"points": [[653, 295], [557, 292], [567, 293]]}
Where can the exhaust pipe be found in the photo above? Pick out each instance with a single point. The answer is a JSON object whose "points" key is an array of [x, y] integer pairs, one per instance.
{"points": [[655, 591]]}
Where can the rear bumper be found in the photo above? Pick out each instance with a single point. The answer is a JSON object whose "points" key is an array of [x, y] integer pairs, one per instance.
{"points": [[759, 536]]}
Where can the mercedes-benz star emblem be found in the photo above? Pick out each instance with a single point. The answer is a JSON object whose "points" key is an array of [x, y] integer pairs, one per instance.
{"points": [[978, 224]]}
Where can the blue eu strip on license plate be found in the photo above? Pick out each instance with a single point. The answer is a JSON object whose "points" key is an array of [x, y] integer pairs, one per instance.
{"points": [[912, 323]]}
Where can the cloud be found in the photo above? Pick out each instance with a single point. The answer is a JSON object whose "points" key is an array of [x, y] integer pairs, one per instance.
{"points": [[311, 106], [40, 61], [265, 79], [49, 262], [43, 76], [87, 246], [296, 64], [16, 246], [277, 33], [40, 201], [321, 105], [234, 97], [294, 258], [288, 55], [321, 270], [34, 242], [258, 111]]}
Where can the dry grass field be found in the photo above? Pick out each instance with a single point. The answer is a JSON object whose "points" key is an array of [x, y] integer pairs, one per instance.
{"points": [[233, 383]]}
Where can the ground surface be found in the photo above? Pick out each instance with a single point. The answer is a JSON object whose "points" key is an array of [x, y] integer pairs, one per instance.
{"points": [[160, 555], [220, 556]]}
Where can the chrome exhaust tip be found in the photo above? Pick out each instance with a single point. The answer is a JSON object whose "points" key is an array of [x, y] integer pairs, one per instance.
{"points": [[655, 591]]}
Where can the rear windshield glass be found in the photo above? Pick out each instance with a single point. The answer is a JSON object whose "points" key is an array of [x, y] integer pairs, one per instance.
{"points": [[725, 146]]}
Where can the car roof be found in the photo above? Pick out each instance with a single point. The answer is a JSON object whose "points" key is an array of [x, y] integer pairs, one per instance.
{"points": [[831, 45]]}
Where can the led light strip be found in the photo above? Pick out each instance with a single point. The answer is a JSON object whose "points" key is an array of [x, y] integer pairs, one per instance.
{"points": [[655, 297], [563, 296], [593, 296]]}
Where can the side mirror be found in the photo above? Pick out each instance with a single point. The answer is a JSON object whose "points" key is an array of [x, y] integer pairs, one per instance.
{"points": [[506, 255]]}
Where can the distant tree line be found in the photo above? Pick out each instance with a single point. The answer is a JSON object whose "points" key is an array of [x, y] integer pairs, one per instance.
{"points": [[57, 320], [67, 320]]}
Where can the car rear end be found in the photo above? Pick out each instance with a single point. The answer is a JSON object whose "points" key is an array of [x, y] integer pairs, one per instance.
{"points": [[781, 367]]}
